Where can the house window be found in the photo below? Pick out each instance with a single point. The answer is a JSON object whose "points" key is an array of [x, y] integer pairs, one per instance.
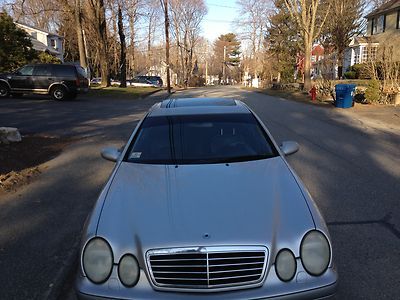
{"points": [[378, 24], [53, 43], [368, 53]]}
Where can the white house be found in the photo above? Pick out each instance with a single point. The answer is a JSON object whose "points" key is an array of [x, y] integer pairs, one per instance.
{"points": [[44, 41], [360, 50]]}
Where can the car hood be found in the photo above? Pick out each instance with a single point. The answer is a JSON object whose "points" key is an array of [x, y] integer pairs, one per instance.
{"points": [[247, 203], [4, 75]]}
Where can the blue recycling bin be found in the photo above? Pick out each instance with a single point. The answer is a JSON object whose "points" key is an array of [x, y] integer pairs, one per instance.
{"points": [[344, 95]]}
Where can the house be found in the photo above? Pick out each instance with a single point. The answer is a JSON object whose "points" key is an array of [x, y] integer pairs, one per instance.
{"points": [[317, 54], [361, 50], [384, 23], [383, 29], [44, 41]]}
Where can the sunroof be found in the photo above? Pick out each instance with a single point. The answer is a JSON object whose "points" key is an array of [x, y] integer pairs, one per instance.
{"points": [[196, 102]]}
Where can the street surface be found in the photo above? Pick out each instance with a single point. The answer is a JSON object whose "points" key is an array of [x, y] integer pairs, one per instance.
{"points": [[350, 164]]}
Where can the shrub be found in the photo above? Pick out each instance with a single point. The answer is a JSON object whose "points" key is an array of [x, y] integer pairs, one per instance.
{"points": [[350, 75], [196, 81], [373, 92]]}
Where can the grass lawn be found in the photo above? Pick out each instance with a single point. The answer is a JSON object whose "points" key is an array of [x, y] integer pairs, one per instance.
{"points": [[121, 93]]}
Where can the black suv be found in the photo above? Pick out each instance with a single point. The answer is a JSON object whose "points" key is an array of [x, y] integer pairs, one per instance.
{"points": [[59, 81]]}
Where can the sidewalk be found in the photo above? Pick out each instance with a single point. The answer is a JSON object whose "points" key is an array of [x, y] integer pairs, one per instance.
{"points": [[382, 117]]}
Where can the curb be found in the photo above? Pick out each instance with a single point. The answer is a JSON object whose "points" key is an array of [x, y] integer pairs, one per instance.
{"points": [[66, 270]]}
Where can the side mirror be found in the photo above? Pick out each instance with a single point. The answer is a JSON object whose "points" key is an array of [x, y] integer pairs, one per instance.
{"points": [[110, 153], [289, 147]]}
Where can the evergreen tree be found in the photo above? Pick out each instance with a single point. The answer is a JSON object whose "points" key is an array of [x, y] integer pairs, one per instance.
{"points": [[15, 46]]}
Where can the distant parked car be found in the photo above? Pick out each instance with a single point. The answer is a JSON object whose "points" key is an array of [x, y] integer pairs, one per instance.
{"points": [[115, 82], [155, 80], [59, 81], [140, 82], [202, 204], [96, 80]]}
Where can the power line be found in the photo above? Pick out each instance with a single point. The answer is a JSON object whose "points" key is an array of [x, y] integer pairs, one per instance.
{"points": [[223, 6]]}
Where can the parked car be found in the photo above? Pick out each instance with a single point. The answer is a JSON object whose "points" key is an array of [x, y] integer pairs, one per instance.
{"points": [[155, 80], [96, 80], [139, 82], [59, 81], [202, 200], [115, 82]]}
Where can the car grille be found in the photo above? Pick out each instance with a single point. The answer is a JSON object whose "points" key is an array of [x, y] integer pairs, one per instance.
{"points": [[207, 267]]}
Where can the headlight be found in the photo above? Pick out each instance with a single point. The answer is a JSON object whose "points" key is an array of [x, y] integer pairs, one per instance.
{"points": [[285, 265], [315, 253], [97, 260], [128, 270]]}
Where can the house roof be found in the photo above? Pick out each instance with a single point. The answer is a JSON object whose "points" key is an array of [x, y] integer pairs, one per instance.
{"points": [[386, 7], [363, 40], [38, 29], [39, 46]]}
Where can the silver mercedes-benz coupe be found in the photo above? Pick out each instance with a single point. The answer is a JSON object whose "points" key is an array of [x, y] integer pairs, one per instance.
{"points": [[202, 204]]}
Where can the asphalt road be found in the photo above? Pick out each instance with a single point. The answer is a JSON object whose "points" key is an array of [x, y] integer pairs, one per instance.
{"points": [[351, 166]]}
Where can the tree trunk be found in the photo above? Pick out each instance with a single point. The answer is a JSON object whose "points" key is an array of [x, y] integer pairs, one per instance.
{"points": [[123, 48], [307, 65], [167, 45], [103, 55], [132, 45], [340, 63], [79, 33]]}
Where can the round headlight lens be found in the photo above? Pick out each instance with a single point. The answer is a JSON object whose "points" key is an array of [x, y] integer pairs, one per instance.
{"points": [[128, 270], [315, 253], [97, 260], [285, 265]]}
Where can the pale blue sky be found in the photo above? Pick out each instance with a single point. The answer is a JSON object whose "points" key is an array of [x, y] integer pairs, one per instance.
{"points": [[220, 17]]}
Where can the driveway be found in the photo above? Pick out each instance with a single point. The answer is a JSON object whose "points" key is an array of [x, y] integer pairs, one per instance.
{"points": [[350, 165]]}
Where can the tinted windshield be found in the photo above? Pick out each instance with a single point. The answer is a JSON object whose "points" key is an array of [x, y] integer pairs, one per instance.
{"points": [[200, 139]]}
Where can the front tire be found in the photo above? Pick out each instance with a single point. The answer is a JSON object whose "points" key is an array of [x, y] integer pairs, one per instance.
{"points": [[4, 91], [58, 93]]}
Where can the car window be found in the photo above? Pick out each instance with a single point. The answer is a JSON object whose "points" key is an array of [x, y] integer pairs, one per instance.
{"points": [[25, 71], [200, 139], [42, 70], [81, 72], [64, 71]]}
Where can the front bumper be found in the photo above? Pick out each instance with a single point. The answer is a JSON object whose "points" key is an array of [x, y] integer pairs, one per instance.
{"points": [[303, 286]]}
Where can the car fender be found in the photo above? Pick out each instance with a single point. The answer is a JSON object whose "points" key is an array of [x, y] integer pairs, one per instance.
{"points": [[57, 83], [8, 84]]}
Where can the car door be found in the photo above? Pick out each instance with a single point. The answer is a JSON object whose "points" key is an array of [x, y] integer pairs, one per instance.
{"points": [[42, 78], [21, 80]]}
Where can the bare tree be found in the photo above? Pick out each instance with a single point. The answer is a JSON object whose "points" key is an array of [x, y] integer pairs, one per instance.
{"points": [[345, 21], [253, 26], [164, 4], [96, 10], [79, 34], [123, 47], [310, 17], [187, 17]]}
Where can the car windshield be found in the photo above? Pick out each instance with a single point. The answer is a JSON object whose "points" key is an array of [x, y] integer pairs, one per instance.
{"points": [[200, 139]]}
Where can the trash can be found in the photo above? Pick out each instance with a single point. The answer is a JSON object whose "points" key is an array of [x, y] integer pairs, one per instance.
{"points": [[344, 95]]}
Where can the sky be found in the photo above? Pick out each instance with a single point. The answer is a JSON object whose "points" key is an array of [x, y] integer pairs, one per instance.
{"points": [[220, 17]]}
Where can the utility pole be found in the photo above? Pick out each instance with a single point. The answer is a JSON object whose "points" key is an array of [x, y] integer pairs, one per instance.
{"points": [[167, 44], [224, 65], [206, 71]]}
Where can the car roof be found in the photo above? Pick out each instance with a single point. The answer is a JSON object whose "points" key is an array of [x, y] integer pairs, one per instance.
{"points": [[198, 106]]}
